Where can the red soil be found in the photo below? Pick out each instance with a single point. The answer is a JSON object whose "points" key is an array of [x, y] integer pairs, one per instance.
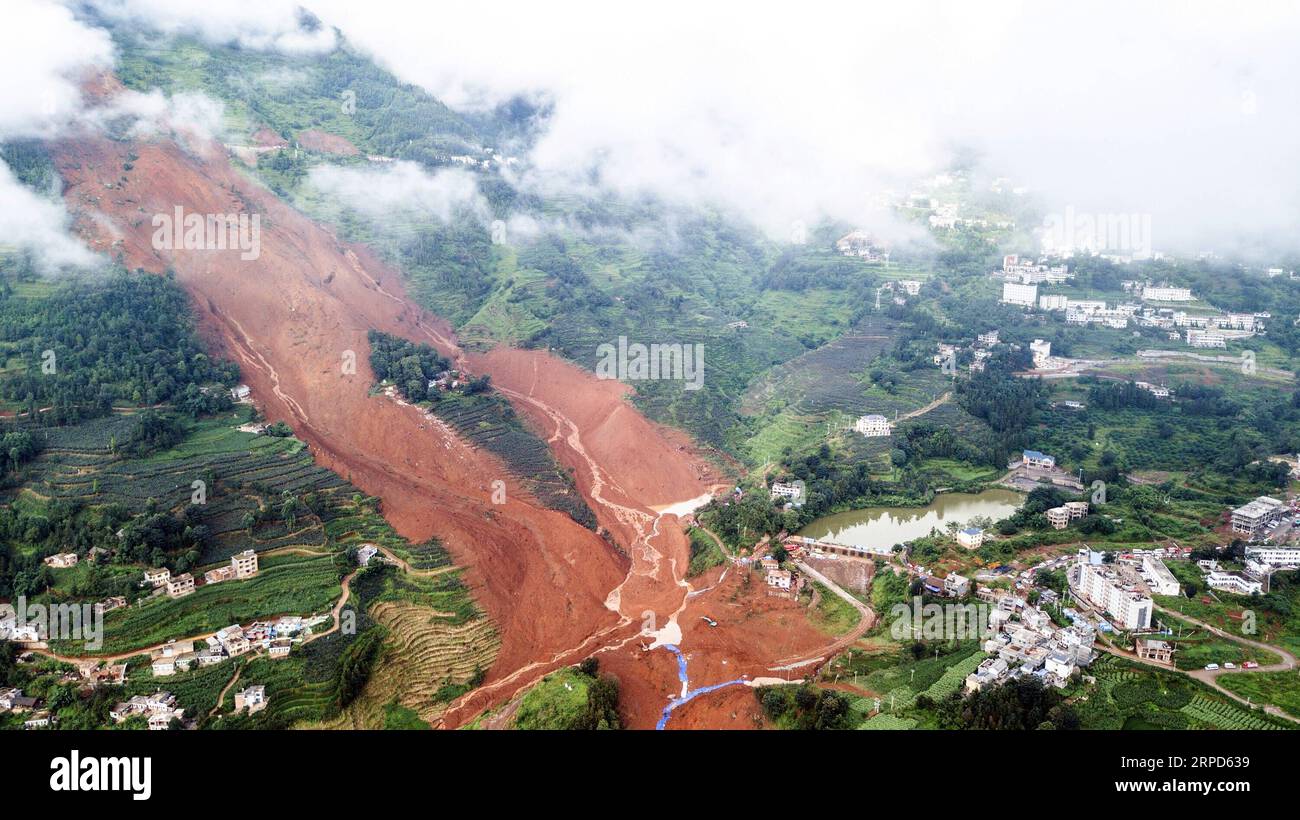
{"points": [[314, 140], [556, 591], [288, 317], [266, 138]]}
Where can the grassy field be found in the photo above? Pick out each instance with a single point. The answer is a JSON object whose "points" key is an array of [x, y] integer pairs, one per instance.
{"points": [[706, 553], [1278, 688], [556, 702], [833, 614]]}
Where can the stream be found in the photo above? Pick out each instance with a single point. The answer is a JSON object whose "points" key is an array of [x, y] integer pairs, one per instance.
{"points": [[688, 694]]}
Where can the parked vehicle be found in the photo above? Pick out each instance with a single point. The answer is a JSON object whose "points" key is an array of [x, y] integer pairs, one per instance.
{"points": [[1230, 666], [1210, 667], [1250, 665]]}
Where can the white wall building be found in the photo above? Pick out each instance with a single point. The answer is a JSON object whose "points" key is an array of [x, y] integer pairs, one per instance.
{"points": [[1103, 586], [873, 425], [1158, 576], [1017, 294]]}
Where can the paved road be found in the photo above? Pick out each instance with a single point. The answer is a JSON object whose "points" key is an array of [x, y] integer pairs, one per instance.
{"points": [[851, 637]]}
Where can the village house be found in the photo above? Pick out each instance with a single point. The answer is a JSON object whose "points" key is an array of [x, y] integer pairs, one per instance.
{"points": [[180, 586], [972, 538], [253, 698], [157, 577], [366, 552], [242, 565], [62, 560], [110, 604], [956, 585], [279, 648], [779, 578], [160, 709], [233, 640], [1153, 650], [1035, 459], [13, 700]]}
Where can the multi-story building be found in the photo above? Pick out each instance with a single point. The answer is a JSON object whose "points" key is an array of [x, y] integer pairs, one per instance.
{"points": [[180, 586], [1106, 587], [1058, 517], [873, 426], [1033, 458], [972, 538], [1052, 301], [157, 577], [244, 564], [1206, 338], [790, 490], [63, 560], [1275, 556], [1042, 352], [1158, 577], [1256, 518], [1017, 294], [1234, 582], [1165, 293]]}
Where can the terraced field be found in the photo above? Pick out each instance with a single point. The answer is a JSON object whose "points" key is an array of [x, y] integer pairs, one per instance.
{"points": [[488, 421], [240, 472], [290, 584], [817, 397]]}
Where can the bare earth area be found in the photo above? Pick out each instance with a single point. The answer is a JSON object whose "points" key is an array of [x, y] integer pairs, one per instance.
{"points": [[298, 314]]}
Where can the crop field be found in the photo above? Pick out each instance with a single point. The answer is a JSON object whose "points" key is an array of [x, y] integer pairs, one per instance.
{"points": [[240, 472], [1131, 696], [438, 646], [488, 421]]}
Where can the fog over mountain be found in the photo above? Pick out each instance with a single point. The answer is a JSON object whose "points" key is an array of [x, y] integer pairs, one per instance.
{"points": [[785, 113]]}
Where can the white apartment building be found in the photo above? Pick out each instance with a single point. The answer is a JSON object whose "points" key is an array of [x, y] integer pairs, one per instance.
{"points": [[873, 426], [1158, 577], [1165, 293], [1257, 517], [1052, 301], [1017, 294], [988, 339], [1042, 351], [1275, 556], [1205, 338], [1104, 587], [1233, 582]]}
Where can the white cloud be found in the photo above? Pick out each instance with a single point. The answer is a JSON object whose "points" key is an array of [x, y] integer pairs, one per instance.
{"points": [[264, 25], [39, 225], [786, 111], [401, 190], [44, 54]]}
